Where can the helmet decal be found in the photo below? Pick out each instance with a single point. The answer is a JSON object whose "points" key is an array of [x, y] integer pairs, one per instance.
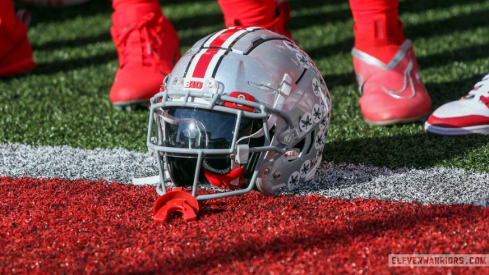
{"points": [[291, 46], [315, 86], [320, 152], [306, 122], [305, 168], [322, 123], [240, 95], [319, 141], [193, 84], [303, 60], [293, 181], [317, 113]]}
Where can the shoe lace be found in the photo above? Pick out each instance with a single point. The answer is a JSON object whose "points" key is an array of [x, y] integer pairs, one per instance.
{"points": [[139, 42], [481, 90]]}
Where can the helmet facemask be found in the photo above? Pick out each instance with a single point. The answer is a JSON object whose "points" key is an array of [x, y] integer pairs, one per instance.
{"points": [[197, 143]]}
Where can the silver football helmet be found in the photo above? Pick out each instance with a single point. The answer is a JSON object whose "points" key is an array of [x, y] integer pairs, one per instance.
{"points": [[243, 108]]}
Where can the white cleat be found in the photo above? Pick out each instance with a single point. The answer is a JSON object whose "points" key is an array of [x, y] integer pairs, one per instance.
{"points": [[467, 116]]}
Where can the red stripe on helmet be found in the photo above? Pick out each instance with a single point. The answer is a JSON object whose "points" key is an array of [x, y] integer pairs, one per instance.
{"points": [[203, 63], [221, 39], [206, 58]]}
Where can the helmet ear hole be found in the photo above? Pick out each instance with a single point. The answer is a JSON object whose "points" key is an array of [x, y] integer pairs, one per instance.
{"points": [[300, 144]]}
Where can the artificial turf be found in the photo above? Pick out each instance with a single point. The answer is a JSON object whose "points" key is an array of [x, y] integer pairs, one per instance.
{"points": [[65, 100], [49, 227]]}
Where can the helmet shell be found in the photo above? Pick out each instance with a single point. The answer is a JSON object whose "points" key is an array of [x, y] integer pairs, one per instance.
{"points": [[281, 78]]}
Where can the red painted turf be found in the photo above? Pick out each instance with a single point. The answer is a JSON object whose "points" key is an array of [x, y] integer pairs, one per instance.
{"points": [[63, 226]]}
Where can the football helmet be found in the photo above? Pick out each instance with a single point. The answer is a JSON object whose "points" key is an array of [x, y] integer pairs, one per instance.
{"points": [[243, 108]]}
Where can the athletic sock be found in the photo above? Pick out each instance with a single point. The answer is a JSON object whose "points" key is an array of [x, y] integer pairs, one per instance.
{"points": [[378, 30], [124, 4], [248, 12]]}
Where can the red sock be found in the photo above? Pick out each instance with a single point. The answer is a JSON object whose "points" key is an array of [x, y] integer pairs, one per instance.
{"points": [[248, 13], [123, 4], [127, 12], [7, 13], [378, 30]]}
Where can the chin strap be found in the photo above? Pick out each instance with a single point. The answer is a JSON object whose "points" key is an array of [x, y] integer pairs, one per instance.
{"points": [[233, 179]]}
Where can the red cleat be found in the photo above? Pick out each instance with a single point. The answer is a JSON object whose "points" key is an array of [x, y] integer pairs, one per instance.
{"points": [[391, 93], [148, 48], [15, 50]]}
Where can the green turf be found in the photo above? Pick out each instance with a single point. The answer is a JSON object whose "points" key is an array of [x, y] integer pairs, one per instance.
{"points": [[65, 100]]}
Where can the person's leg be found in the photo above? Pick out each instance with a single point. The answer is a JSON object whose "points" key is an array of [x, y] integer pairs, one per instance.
{"points": [[385, 65], [148, 48], [15, 50], [271, 14], [378, 30]]}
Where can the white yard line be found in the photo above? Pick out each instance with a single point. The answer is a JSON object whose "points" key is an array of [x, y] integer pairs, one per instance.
{"points": [[434, 185]]}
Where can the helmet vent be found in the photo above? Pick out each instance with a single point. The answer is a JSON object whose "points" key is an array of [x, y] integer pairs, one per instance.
{"points": [[300, 77], [311, 142]]}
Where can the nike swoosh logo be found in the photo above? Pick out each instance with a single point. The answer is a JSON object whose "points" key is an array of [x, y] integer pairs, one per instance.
{"points": [[408, 80]]}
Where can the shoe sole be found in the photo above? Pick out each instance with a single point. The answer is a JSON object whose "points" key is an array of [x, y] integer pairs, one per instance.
{"points": [[130, 106], [397, 121], [463, 131]]}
